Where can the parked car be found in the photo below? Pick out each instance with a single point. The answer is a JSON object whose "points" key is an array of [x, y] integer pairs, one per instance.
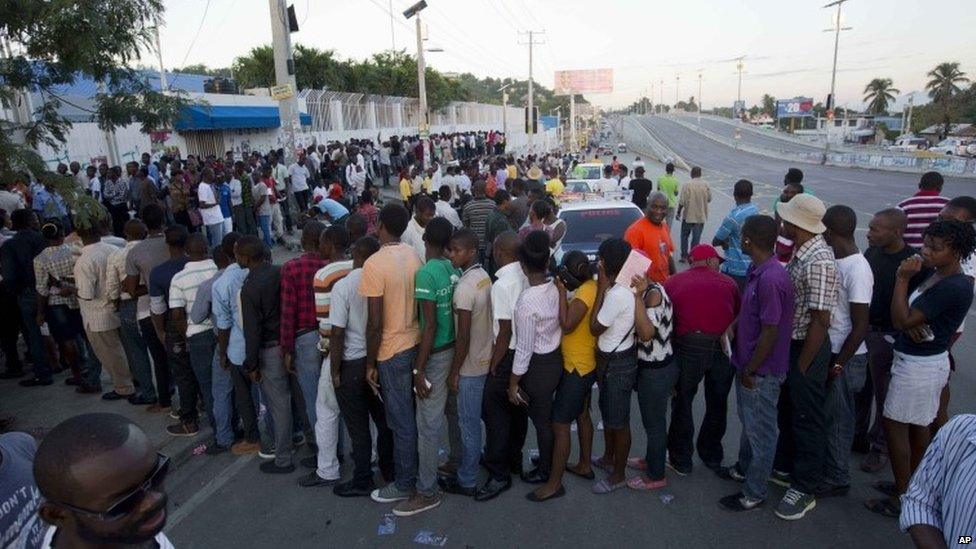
{"points": [[621, 148], [590, 222], [953, 146], [908, 143]]}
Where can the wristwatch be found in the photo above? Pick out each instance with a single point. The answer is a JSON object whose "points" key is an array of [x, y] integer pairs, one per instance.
{"points": [[837, 369]]}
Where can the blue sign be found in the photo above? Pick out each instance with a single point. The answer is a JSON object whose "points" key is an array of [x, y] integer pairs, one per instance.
{"points": [[798, 107], [548, 122]]}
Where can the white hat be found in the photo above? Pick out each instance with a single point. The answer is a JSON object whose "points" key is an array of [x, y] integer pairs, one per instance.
{"points": [[805, 211]]}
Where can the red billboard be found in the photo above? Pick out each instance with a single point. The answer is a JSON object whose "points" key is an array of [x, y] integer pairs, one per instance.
{"points": [[584, 81]]}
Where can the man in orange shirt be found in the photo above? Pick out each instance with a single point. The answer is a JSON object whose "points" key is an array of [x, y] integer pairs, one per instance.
{"points": [[651, 235]]}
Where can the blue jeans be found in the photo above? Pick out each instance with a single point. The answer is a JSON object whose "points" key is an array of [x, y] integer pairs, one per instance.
{"points": [[223, 402], [760, 430], [136, 351], [308, 364], [215, 233], [654, 388], [470, 391], [694, 230], [27, 302], [396, 382], [264, 221], [839, 411], [201, 348]]}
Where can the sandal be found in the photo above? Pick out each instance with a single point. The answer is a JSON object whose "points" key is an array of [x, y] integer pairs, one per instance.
{"points": [[883, 507], [599, 463], [885, 487], [604, 486], [637, 463]]}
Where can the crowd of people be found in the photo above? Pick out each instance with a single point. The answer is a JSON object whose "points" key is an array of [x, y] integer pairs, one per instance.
{"points": [[448, 313]]}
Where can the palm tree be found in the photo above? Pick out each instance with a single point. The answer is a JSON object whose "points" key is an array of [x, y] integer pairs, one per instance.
{"points": [[943, 86], [878, 93], [769, 104]]}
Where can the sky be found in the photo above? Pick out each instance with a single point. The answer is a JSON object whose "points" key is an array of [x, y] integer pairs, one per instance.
{"points": [[645, 42]]}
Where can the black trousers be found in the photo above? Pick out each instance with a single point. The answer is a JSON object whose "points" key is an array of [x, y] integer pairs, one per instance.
{"points": [[120, 215], [539, 383], [186, 382], [244, 403], [9, 329], [505, 423], [301, 200], [802, 444], [699, 357], [164, 379], [358, 404]]}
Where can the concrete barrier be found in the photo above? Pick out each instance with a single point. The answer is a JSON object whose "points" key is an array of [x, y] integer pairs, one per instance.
{"points": [[655, 148]]}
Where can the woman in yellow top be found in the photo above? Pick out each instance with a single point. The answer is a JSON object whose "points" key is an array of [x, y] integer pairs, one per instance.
{"points": [[405, 192], [572, 401]]}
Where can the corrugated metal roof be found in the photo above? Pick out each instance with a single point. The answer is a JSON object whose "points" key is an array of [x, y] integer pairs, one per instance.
{"points": [[85, 86]]}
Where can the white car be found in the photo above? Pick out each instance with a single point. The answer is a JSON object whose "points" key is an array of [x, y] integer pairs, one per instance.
{"points": [[953, 146], [590, 222], [907, 144]]}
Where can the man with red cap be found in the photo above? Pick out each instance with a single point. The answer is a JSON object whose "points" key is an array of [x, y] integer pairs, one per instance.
{"points": [[706, 302]]}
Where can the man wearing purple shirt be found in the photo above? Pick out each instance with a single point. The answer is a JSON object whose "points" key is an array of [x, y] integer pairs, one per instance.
{"points": [[761, 357]]}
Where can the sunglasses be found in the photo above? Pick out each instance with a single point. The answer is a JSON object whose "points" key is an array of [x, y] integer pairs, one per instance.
{"points": [[124, 506]]}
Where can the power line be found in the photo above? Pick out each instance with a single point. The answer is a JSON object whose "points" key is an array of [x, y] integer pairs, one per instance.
{"points": [[197, 35]]}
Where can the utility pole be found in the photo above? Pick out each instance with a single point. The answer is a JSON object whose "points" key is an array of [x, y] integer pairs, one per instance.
{"points": [[652, 97], [284, 65], [424, 129], [907, 126], [505, 108], [661, 92], [677, 86], [699, 96], [739, 65], [392, 31], [833, 74], [159, 59], [530, 130]]}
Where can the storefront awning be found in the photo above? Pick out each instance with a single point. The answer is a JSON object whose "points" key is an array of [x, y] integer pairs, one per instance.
{"points": [[231, 117]]}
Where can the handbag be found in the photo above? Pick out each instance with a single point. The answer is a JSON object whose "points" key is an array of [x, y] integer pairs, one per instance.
{"points": [[602, 358]]}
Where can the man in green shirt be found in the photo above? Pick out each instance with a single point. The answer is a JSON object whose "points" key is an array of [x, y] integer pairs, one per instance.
{"points": [[668, 184], [434, 292]]}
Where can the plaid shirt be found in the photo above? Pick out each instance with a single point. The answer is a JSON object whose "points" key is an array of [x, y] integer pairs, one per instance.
{"points": [[298, 297], [814, 276], [55, 263]]}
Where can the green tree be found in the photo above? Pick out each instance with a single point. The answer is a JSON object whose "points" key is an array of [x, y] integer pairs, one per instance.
{"points": [[256, 69], [200, 68], [53, 43], [768, 105], [878, 94], [943, 86]]}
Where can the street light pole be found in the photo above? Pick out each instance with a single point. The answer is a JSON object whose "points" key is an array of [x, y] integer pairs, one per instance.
{"points": [[423, 126], [833, 73], [699, 96], [284, 67], [677, 85]]}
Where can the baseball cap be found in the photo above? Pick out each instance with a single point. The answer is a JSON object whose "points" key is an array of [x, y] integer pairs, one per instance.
{"points": [[703, 252]]}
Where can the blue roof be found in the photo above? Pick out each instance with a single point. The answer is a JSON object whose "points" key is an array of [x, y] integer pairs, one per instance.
{"points": [[85, 86], [231, 117]]}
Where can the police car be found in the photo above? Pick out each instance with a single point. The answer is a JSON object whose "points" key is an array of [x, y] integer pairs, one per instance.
{"points": [[591, 219]]}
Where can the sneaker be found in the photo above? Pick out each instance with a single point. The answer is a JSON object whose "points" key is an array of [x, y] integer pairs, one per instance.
{"points": [[417, 504], [795, 505], [681, 470], [174, 413], [352, 490], [112, 395], [86, 389], [641, 482], [273, 468], [875, 462], [389, 494], [739, 502], [637, 463], [266, 453], [313, 479], [244, 447], [298, 439], [183, 429], [215, 449], [310, 462], [780, 478], [139, 400], [732, 473]]}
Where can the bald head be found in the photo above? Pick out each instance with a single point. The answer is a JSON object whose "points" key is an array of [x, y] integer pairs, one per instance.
{"points": [[894, 218], [887, 230]]}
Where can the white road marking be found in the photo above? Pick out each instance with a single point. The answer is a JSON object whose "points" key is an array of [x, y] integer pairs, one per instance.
{"points": [[204, 493]]}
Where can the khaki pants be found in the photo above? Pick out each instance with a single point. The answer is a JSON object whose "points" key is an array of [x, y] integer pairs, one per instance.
{"points": [[108, 349]]}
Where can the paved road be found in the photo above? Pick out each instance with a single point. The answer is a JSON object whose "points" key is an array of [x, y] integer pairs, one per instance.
{"points": [[225, 501], [752, 137]]}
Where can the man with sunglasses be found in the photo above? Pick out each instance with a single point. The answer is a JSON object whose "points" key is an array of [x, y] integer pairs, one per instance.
{"points": [[101, 479]]}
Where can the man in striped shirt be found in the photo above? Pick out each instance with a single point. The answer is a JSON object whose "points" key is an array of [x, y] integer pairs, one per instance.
{"points": [[333, 247], [475, 215], [923, 207], [939, 508]]}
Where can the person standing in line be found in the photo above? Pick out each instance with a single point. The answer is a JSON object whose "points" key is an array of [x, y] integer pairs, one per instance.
{"points": [[792, 186], [802, 446], [145, 256], [444, 208], [668, 184], [505, 423], [651, 235], [115, 195], [136, 349], [475, 216], [641, 186], [472, 357], [927, 319], [760, 354], [282, 182], [423, 211], [923, 207], [242, 201], [264, 202], [706, 303], [434, 291], [200, 339], [209, 206], [357, 402], [693, 203], [221, 189], [17, 262], [537, 364], [261, 318], [613, 324], [848, 327], [168, 331], [392, 335], [728, 236], [98, 313], [299, 174], [579, 374], [333, 246], [299, 338]]}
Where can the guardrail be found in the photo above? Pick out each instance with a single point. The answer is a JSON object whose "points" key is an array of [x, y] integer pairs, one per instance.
{"points": [[948, 165], [657, 149]]}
